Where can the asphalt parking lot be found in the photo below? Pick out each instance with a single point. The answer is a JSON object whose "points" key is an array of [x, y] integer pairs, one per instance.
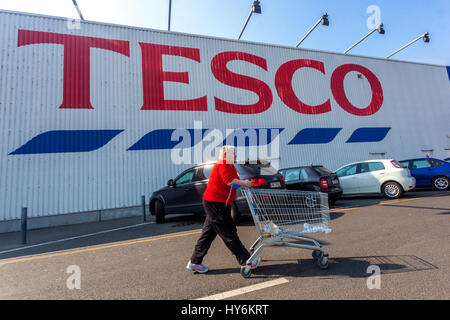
{"points": [[406, 239]]}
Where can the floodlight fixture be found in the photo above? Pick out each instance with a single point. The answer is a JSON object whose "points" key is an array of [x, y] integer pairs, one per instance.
{"points": [[256, 8], [323, 20], [425, 37], [380, 30]]}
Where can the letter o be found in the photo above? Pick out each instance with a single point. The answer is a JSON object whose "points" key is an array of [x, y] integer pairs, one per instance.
{"points": [[337, 87]]}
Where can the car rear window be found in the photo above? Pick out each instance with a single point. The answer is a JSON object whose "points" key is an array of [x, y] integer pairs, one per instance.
{"points": [[322, 171], [253, 169], [202, 173], [295, 174]]}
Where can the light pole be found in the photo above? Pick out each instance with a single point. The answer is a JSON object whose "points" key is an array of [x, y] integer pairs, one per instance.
{"points": [[256, 8], [170, 13], [323, 20], [425, 37], [78, 9], [380, 30]]}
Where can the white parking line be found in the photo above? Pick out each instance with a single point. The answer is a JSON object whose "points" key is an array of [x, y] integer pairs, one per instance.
{"points": [[76, 237], [233, 293]]}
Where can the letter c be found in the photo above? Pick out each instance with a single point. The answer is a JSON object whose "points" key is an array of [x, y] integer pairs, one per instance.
{"points": [[283, 84]]}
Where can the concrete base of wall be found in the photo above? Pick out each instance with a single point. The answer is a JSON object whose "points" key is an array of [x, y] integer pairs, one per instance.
{"points": [[72, 218]]}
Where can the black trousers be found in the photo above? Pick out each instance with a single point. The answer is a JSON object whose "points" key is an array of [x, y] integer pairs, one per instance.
{"points": [[219, 222]]}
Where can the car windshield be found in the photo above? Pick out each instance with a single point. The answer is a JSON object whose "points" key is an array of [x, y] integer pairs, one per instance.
{"points": [[255, 169], [322, 171]]}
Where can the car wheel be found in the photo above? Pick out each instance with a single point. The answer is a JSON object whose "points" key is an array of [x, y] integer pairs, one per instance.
{"points": [[441, 183], [235, 214], [392, 190], [159, 212]]}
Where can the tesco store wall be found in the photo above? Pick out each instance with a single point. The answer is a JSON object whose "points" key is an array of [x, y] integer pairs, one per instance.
{"points": [[93, 115]]}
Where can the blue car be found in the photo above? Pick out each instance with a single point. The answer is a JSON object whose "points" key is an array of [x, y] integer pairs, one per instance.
{"points": [[429, 172]]}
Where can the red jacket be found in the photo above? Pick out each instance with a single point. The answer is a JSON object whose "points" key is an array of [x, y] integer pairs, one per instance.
{"points": [[217, 189]]}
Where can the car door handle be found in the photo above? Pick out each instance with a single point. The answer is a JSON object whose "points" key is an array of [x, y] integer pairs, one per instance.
{"points": [[188, 189]]}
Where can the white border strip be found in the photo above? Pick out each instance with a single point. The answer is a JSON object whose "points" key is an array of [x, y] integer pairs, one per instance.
{"points": [[233, 293]]}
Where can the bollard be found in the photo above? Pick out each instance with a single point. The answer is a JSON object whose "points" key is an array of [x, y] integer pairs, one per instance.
{"points": [[143, 209], [24, 225]]}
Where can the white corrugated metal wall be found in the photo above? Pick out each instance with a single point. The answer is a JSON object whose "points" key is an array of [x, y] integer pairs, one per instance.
{"points": [[415, 107]]}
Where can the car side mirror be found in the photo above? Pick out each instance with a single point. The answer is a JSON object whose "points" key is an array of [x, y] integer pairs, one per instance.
{"points": [[171, 183]]}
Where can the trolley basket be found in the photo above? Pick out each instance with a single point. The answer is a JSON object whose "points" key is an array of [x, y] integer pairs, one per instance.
{"points": [[281, 214]]}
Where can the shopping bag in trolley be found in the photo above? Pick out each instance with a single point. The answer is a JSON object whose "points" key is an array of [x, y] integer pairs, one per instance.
{"points": [[286, 214]]}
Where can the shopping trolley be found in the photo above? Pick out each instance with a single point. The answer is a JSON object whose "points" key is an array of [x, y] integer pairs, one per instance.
{"points": [[287, 214]]}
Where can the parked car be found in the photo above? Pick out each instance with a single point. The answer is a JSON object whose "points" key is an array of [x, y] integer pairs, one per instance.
{"points": [[313, 178], [429, 172], [184, 193], [385, 176]]}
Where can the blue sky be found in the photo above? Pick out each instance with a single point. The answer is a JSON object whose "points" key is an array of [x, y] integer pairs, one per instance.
{"points": [[282, 22]]}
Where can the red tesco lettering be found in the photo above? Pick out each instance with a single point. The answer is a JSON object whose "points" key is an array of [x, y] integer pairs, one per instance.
{"points": [[76, 77]]}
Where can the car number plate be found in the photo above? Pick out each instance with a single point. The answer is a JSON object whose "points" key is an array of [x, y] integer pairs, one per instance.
{"points": [[275, 184]]}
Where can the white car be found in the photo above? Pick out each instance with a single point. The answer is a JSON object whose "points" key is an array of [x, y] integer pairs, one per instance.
{"points": [[385, 176]]}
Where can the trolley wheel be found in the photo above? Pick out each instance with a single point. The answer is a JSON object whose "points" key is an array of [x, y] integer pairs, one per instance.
{"points": [[246, 271], [322, 261], [316, 254]]}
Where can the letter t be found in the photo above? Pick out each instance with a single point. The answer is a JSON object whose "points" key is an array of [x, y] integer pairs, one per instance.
{"points": [[76, 79]]}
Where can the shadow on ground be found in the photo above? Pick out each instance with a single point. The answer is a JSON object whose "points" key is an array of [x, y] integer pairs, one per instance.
{"points": [[351, 267]]}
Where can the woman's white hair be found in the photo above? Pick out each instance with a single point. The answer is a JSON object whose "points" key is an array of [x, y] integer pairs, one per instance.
{"points": [[227, 150]]}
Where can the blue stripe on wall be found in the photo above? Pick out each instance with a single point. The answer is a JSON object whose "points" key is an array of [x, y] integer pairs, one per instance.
{"points": [[161, 139], [60, 141], [368, 134], [260, 136], [315, 135]]}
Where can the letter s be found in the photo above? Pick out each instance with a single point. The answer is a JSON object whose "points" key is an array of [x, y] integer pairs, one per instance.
{"points": [[224, 75]]}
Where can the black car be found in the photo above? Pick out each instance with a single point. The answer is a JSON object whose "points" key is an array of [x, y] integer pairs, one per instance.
{"points": [[313, 178], [184, 193]]}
